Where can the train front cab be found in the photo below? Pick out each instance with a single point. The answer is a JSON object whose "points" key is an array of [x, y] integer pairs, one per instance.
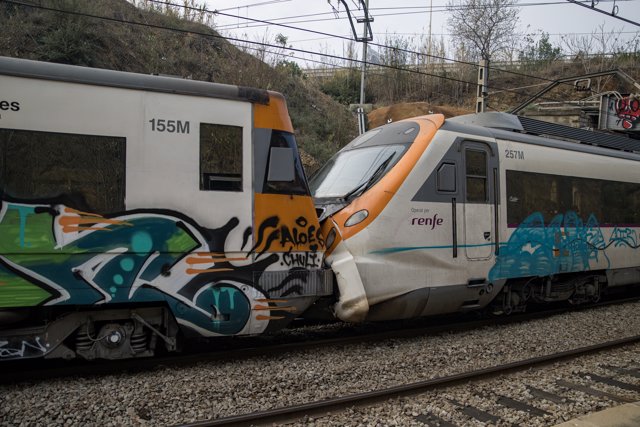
{"points": [[477, 210], [410, 218]]}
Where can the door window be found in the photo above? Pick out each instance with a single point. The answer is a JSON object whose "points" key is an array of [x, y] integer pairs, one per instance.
{"points": [[476, 176]]}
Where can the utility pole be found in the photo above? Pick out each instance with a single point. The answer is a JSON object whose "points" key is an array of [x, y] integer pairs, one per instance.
{"points": [[429, 43], [483, 82], [366, 37], [362, 122]]}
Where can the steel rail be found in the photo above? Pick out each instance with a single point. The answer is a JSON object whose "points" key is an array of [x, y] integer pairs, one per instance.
{"points": [[321, 408]]}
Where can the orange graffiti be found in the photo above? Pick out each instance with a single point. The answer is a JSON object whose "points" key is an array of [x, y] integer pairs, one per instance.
{"points": [[72, 223], [275, 308], [261, 317], [74, 211], [209, 260], [267, 300], [73, 229], [209, 270]]}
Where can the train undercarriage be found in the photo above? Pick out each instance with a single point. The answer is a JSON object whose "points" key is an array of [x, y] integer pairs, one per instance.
{"points": [[576, 289], [114, 333]]}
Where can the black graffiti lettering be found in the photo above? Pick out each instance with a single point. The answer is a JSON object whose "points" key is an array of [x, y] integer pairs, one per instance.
{"points": [[303, 259], [299, 236], [286, 237]]}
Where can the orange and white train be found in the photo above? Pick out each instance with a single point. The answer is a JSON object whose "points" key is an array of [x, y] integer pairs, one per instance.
{"points": [[428, 216]]}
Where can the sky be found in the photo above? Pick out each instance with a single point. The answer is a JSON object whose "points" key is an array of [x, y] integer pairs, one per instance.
{"points": [[409, 19]]}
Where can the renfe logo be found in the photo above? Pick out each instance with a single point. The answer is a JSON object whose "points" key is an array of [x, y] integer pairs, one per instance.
{"points": [[433, 222]]}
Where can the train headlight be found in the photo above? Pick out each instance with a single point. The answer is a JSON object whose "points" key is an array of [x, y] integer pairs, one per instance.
{"points": [[356, 218]]}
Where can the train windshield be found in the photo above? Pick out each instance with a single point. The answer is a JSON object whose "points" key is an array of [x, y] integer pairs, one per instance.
{"points": [[352, 172], [363, 162]]}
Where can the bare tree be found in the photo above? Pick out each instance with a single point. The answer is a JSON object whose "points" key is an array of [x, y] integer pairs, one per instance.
{"points": [[485, 25]]}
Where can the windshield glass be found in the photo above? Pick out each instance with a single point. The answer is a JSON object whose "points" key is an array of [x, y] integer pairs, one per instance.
{"points": [[354, 171]]}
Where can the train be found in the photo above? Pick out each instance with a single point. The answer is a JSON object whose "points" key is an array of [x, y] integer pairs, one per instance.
{"points": [[139, 211], [430, 216]]}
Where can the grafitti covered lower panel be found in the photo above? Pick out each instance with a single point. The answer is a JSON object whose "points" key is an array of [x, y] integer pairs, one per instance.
{"points": [[565, 245], [51, 254]]}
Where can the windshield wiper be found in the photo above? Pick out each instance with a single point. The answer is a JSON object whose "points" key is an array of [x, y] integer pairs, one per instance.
{"points": [[374, 177]]}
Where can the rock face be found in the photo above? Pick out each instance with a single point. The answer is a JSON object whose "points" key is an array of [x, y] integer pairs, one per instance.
{"points": [[393, 113]]}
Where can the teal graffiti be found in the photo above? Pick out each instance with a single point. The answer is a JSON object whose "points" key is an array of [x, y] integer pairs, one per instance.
{"points": [[535, 249], [127, 264], [24, 212], [141, 243], [624, 237]]}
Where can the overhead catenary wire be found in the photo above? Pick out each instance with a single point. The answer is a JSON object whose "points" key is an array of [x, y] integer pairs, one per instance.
{"points": [[612, 14], [408, 51], [421, 9], [473, 64], [262, 44]]}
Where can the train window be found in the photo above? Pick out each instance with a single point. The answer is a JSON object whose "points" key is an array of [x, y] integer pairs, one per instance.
{"points": [[476, 173], [285, 144], [220, 157], [85, 172], [447, 178], [609, 202]]}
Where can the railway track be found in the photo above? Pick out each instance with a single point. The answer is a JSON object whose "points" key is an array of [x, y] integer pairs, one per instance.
{"points": [[303, 339], [182, 392], [332, 406]]}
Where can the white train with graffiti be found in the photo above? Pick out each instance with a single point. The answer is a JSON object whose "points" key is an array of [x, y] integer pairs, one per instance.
{"points": [[427, 216], [136, 209]]}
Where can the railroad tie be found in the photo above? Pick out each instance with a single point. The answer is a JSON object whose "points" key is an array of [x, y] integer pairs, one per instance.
{"points": [[431, 420], [551, 397], [476, 413], [521, 406], [631, 372], [592, 391], [612, 382]]}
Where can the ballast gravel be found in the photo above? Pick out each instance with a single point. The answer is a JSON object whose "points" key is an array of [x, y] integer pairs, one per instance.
{"points": [[168, 396]]}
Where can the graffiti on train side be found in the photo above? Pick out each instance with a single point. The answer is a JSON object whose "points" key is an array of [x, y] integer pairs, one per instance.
{"points": [[566, 244], [54, 254], [625, 237], [22, 348], [275, 236]]}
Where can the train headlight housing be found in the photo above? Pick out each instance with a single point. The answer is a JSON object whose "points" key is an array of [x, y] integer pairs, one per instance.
{"points": [[357, 218]]}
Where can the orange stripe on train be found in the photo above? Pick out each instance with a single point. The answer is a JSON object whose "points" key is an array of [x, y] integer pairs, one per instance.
{"points": [[378, 196]]}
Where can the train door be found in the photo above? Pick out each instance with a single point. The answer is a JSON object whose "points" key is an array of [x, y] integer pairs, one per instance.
{"points": [[479, 164]]}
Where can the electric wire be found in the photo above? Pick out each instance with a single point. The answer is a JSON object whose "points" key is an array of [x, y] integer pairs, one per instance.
{"points": [[494, 68], [612, 14], [442, 58]]}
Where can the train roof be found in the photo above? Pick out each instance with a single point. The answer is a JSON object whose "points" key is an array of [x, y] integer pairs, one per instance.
{"points": [[120, 79], [528, 130]]}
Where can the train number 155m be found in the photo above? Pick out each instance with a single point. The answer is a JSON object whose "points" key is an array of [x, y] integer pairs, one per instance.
{"points": [[171, 126]]}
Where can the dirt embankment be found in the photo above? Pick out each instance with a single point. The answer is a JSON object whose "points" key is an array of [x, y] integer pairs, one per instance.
{"points": [[393, 113]]}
